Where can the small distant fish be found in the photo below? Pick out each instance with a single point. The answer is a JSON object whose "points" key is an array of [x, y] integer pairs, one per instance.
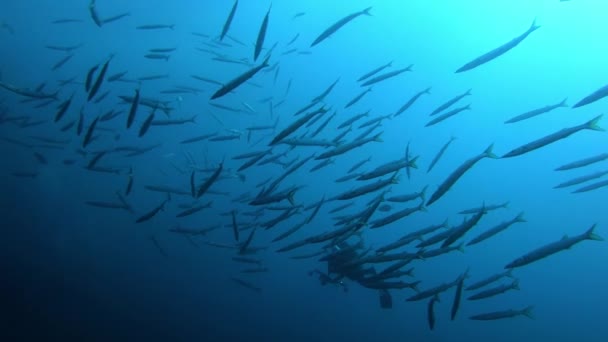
{"points": [[116, 17], [157, 56], [155, 27], [499, 50], [66, 21], [490, 316], [336, 26], [229, 19], [162, 50]]}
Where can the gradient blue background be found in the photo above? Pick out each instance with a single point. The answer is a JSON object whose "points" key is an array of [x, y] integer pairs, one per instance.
{"points": [[76, 272]]}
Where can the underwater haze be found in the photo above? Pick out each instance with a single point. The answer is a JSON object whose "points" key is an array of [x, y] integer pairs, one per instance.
{"points": [[247, 170]]}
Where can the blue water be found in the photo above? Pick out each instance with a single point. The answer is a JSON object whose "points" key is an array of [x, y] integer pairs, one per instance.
{"points": [[76, 272]]}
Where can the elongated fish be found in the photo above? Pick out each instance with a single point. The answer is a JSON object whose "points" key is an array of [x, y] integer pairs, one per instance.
{"points": [[261, 35], [386, 76], [582, 179], [497, 229], [593, 186], [595, 96], [447, 115], [583, 162], [228, 21], [431, 311], [554, 247], [375, 71], [335, 27], [439, 154], [499, 50], [489, 280], [494, 291], [357, 98], [234, 83], [450, 102], [459, 172], [411, 101], [551, 138], [145, 217], [536, 112], [490, 316], [95, 87]]}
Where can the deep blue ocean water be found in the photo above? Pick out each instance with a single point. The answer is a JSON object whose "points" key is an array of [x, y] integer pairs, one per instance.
{"points": [[76, 272]]}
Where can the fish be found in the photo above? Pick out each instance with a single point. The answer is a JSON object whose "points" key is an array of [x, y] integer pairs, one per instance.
{"points": [[116, 17], [295, 126], [63, 108], [409, 197], [66, 21], [133, 109], [326, 92], [411, 101], [234, 83], [462, 229], [447, 115], [583, 162], [207, 184], [146, 125], [155, 27], [490, 316], [551, 138], [145, 217], [494, 291], [374, 71], [450, 102], [499, 50], [554, 247], [62, 61], [235, 227], [536, 112], [431, 311], [368, 188], [359, 164], [228, 21], [162, 50], [386, 76], [259, 43], [595, 96], [497, 229], [198, 138], [89, 135], [95, 87], [94, 15], [396, 216], [28, 93], [457, 298], [357, 98], [593, 186], [157, 56], [172, 122], [493, 278], [339, 24], [194, 209], [117, 76], [437, 289], [485, 207], [387, 168], [343, 148], [440, 153], [459, 172]]}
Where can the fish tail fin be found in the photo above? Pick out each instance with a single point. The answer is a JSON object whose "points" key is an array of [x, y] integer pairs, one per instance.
{"points": [[488, 152], [534, 26], [423, 193], [409, 67], [460, 248], [378, 137], [520, 218], [366, 11], [516, 285], [290, 197], [592, 124], [265, 63], [412, 162], [590, 234], [509, 273], [468, 91], [414, 286], [410, 272], [427, 90], [528, 312], [468, 107], [564, 103]]}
